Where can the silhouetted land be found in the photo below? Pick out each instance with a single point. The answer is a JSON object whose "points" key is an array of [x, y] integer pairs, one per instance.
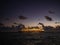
{"points": [[30, 38]]}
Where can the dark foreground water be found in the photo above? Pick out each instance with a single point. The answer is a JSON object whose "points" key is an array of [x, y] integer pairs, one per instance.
{"points": [[30, 38]]}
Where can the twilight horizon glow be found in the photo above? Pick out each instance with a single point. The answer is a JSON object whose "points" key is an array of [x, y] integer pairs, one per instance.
{"points": [[33, 10]]}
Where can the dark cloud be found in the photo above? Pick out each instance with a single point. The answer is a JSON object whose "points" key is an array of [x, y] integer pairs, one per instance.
{"points": [[40, 23], [48, 18], [57, 22], [22, 17], [1, 24], [38, 19], [14, 23], [7, 19], [51, 11]]}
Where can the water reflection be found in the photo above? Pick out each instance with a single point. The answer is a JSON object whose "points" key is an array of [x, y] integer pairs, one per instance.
{"points": [[31, 38], [36, 38]]}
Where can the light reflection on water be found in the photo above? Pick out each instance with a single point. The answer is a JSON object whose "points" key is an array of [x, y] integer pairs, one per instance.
{"points": [[34, 38], [31, 38], [37, 38]]}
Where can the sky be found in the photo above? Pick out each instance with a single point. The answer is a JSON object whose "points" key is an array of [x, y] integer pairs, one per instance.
{"points": [[34, 10]]}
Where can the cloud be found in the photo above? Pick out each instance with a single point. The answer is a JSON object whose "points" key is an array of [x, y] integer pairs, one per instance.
{"points": [[7, 19], [38, 19], [14, 23], [1, 24], [41, 24], [57, 22], [51, 11], [48, 18], [22, 17]]}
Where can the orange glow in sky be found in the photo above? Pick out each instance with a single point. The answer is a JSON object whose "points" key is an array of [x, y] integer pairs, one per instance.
{"points": [[32, 30]]}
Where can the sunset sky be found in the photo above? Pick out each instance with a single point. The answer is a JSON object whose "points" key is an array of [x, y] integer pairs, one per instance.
{"points": [[34, 10]]}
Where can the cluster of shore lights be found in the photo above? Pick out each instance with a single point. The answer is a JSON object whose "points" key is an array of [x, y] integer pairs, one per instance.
{"points": [[32, 29]]}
